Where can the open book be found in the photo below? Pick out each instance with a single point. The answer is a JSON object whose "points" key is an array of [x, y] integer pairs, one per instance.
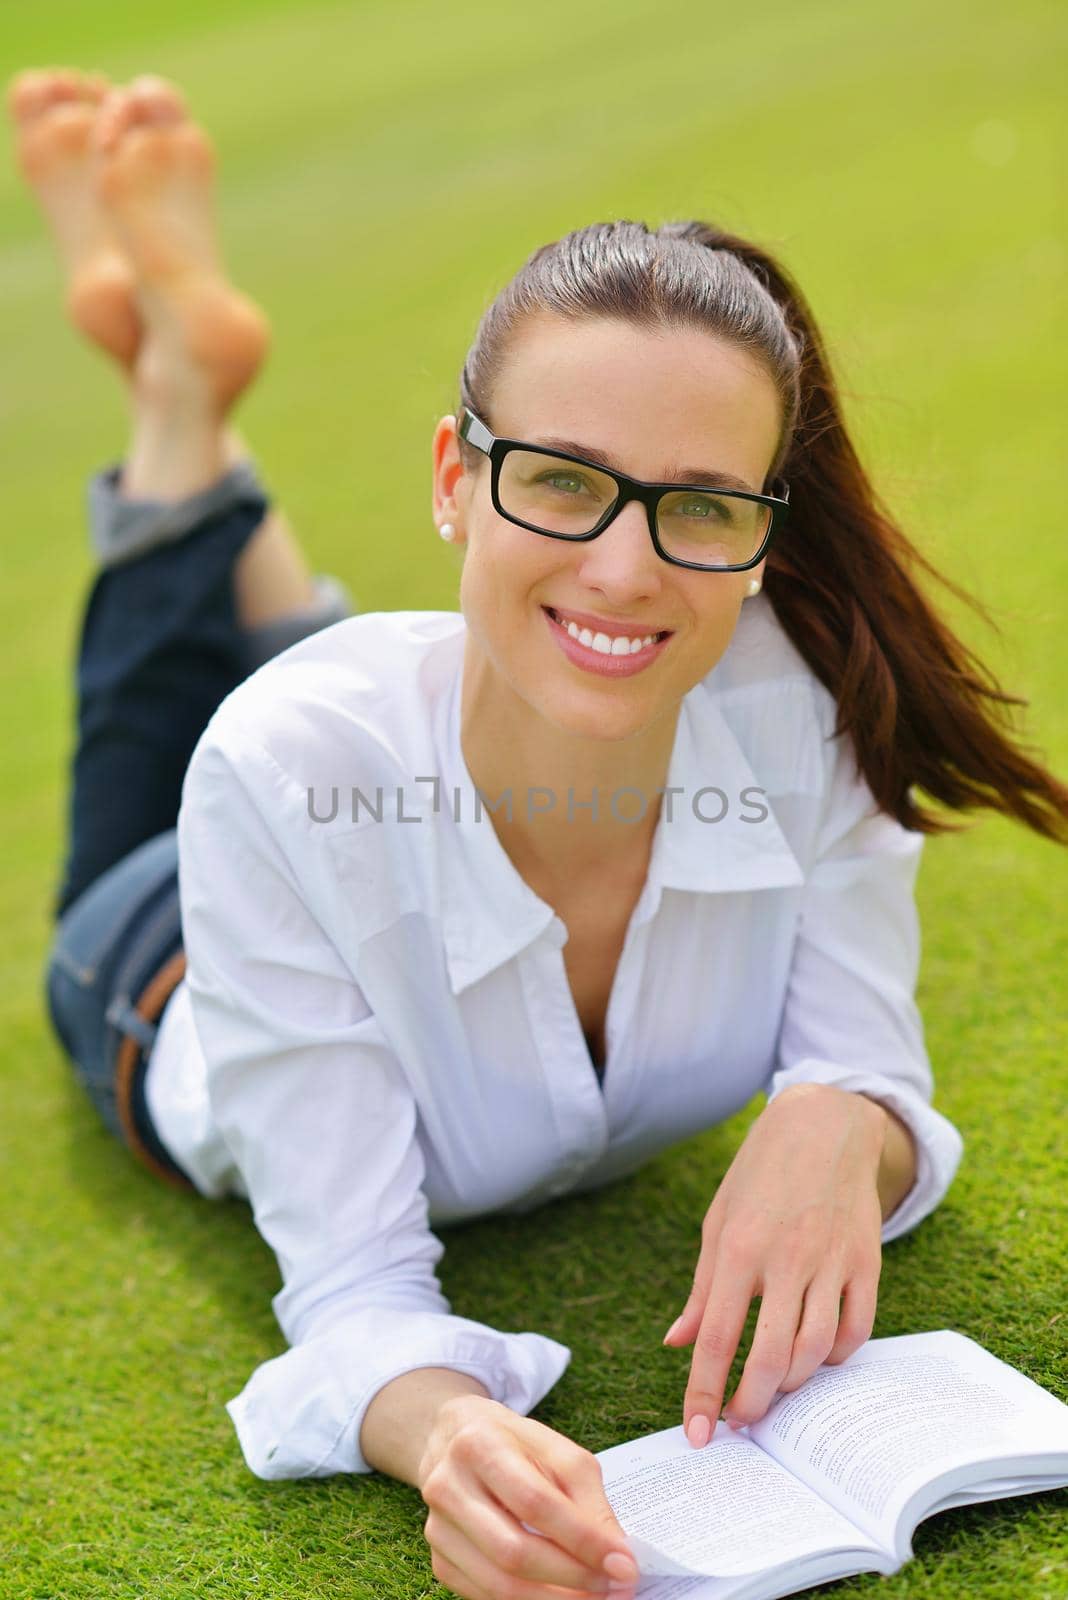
{"points": [[835, 1477]]}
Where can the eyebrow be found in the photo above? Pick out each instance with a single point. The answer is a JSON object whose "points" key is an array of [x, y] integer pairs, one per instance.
{"points": [[694, 475]]}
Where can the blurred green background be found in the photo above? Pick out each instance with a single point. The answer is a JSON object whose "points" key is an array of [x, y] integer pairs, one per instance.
{"points": [[384, 169]]}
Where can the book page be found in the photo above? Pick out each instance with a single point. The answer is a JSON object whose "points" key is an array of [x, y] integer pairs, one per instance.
{"points": [[724, 1510], [900, 1412], [1001, 1489]]}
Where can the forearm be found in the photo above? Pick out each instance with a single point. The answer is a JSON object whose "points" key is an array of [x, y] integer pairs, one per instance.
{"points": [[398, 1422]]}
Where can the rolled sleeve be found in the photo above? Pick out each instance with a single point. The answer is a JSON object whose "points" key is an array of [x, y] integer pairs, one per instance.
{"points": [[300, 1415], [850, 1017], [321, 1123]]}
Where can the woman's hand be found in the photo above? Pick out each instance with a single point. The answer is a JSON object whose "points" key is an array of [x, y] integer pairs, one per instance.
{"points": [[797, 1220], [487, 1470]]}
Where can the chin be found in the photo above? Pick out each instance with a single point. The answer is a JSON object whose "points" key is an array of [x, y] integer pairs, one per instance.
{"points": [[596, 717]]}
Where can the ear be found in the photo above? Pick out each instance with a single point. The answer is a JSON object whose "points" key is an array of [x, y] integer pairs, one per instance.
{"points": [[452, 484]]}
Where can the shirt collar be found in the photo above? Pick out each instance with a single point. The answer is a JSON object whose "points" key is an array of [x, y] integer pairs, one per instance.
{"points": [[490, 913], [723, 835]]}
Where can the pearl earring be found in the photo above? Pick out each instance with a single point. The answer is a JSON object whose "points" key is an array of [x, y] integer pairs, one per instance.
{"points": [[754, 587], [447, 530]]}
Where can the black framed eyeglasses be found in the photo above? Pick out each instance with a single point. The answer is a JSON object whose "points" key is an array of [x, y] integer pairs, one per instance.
{"points": [[691, 525]]}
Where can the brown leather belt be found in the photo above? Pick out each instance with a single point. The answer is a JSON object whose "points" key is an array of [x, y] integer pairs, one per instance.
{"points": [[149, 1006]]}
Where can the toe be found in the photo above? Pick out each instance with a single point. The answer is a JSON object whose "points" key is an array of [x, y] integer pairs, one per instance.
{"points": [[114, 115], [50, 140], [95, 88], [32, 93], [157, 100], [62, 84], [147, 102], [22, 93]]}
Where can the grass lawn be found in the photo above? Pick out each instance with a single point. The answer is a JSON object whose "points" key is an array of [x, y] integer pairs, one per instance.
{"points": [[384, 169]]}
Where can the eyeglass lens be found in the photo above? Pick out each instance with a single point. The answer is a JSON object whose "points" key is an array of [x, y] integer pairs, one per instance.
{"points": [[708, 526]]}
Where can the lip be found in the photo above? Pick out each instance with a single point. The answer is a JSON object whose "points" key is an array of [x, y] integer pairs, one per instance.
{"points": [[592, 660], [583, 619]]}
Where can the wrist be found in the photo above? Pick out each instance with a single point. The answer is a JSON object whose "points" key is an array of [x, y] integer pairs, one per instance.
{"points": [[833, 1091], [872, 1112], [897, 1161], [405, 1415]]}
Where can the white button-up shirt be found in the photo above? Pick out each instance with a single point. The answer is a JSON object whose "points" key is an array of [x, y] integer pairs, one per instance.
{"points": [[376, 1033]]}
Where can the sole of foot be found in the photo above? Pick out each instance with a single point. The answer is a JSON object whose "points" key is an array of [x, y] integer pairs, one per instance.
{"points": [[154, 178], [54, 113], [126, 181]]}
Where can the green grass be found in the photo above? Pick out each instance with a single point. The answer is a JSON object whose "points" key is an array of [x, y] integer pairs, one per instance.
{"points": [[384, 169]]}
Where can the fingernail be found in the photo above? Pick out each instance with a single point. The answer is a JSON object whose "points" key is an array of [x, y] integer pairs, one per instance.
{"points": [[698, 1431], [675, 1326], [622, 1568]]}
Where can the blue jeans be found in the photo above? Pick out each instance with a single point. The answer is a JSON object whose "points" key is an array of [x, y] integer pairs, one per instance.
{"points": [[160, 648]]}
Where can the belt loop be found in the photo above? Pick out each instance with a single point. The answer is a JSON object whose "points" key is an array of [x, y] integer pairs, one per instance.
{"points": [[121, 1014]]}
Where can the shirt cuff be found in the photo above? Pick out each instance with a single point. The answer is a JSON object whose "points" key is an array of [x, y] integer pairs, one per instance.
{"points": [[300, 1414], [939, 1146]]}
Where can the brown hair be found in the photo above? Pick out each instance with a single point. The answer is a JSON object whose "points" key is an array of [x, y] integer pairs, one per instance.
{"points": [[920, 707]]}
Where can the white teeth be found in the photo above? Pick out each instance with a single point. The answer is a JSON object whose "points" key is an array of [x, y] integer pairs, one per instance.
{"points": [[620, 646]]}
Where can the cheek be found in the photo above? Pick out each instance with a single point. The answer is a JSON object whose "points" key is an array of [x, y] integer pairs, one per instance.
{"points": [[720, 624], [512, 564], [493, 579]]}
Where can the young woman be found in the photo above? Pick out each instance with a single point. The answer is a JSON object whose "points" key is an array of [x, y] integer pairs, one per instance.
{"points": [[442, 913]]}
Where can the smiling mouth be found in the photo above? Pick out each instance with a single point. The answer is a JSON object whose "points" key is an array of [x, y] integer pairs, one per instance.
{"points": [[564, 622]]}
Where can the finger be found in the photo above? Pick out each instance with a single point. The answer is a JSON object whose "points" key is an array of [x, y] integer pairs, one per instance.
{"points": [[717, 1342], [486, 1541], [819, 1327], [457, 1581], [684, 1328], [481, 1575], [857, 1317], [771, 1351], [583, 1521], [579, 1527]]}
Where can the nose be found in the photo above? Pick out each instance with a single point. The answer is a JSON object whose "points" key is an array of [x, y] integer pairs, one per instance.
{"points": [[622, 559]]}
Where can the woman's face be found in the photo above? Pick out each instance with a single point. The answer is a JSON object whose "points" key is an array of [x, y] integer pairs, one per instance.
{"points": [[657, 404]]}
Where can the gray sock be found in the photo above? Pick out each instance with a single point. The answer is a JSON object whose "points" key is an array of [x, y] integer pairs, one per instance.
{"points": [[121, 528]]}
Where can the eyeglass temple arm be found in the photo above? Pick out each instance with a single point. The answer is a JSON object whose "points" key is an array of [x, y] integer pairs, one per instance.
{"points": [[475, 432]]}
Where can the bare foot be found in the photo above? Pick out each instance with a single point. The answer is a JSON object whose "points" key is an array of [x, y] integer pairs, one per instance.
{"points": [[53, 113], [125, 180], [154, 177]]}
